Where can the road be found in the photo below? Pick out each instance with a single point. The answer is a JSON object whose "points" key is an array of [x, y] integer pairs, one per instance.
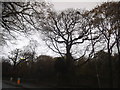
{"points": [[0, 84], [4, 85]]}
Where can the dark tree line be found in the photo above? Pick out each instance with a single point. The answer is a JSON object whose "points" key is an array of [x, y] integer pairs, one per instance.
{"points": [[53, 70]]}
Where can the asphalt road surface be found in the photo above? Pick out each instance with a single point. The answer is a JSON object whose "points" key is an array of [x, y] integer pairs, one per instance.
{"points": [[4, 85], [0, 84]]}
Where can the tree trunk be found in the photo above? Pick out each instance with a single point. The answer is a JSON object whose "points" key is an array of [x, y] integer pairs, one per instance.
{"points": [[118, 63], [68, 60], [110, 67], [69, 65], [110, 71]]}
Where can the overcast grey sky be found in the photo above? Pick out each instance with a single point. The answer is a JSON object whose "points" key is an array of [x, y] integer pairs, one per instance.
{"points": [[58, 5], [82, 5]]}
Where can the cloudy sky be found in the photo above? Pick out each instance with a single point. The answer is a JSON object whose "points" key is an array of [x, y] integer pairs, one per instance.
{"points": [[58, 5]]}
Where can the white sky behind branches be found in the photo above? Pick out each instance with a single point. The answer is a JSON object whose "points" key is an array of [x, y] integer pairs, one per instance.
{"points": [[58, 5]]}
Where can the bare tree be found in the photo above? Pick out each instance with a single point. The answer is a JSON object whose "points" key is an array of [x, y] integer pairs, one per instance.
{"points": [[115, 20], [15, 57], [63, 30], [18, 17], [101, 19], [15, 60], [29, 52]]}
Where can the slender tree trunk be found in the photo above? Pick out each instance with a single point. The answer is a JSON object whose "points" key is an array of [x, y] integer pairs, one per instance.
{"points": [[97, 74], [110, 71], [118, 63], [118, 44], [119, 72], [110, 67]]}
